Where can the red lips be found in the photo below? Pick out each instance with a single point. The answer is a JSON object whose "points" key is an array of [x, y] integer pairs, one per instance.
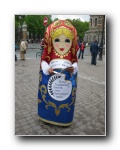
{"points": [[62, 49]]}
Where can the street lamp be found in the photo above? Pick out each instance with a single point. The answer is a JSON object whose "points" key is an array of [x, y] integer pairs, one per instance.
{"points": [[36, 37], [32, 37], [19, 31], [28, 36], [20, 27], [101, 44], [98, 33], [24, 29]]}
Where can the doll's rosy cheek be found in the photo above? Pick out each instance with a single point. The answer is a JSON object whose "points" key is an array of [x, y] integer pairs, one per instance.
{"points": [[67, 45], [56, 44]]}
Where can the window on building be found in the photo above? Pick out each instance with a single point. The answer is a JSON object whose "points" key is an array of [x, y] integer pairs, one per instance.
{"points": [[91, 22], [95, 21], [90, 38], [94, 37]]}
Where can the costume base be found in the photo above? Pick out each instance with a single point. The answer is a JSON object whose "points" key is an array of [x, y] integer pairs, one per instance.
{"points": [[59, 111], [55, 123]]}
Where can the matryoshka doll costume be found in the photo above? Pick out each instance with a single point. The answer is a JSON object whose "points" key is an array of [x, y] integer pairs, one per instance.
{"points": [[57, 92]]}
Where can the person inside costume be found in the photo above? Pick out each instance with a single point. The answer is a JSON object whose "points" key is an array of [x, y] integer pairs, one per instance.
{"points": [[58, 74]]}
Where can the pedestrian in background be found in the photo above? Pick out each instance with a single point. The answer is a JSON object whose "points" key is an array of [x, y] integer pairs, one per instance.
{"points": [[78, 46], [42, 45], [79, 43], [23, 48], [82, 47], [16, 47], [94, 51]]}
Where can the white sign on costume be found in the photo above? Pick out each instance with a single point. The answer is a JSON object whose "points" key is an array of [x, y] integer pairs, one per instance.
{"points": [[59, 88], [57, 63]]}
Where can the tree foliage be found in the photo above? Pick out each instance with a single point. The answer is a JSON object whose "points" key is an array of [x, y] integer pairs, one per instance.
{"points": [[36, 27], [35, 24], [80, 26]]}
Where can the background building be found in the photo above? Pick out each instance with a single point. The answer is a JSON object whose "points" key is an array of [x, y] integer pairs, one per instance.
{"points": [[95, 29]]}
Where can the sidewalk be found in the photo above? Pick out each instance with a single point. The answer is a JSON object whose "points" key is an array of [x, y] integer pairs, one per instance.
{"points": [[89, 115]]}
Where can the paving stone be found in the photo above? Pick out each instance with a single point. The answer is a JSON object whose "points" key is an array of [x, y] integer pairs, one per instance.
{"points": [[89, 115]]}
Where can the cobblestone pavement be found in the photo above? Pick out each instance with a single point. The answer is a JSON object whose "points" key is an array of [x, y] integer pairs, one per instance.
{"points": [[90, 110]]}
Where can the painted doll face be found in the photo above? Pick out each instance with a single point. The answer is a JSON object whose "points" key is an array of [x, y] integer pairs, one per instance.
{"points": [[62, 44]]}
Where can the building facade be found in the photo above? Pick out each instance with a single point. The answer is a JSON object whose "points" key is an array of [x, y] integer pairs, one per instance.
{"points": [[95, 29]]}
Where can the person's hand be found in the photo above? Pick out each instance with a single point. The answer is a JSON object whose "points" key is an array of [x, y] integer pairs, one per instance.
{"points": [[50, 70], [70, 69]]}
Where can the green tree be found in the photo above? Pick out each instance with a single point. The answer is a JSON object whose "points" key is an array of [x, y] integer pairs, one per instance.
{"points": [[55, 19], [35, 24], [80, 26], [19, 19]]}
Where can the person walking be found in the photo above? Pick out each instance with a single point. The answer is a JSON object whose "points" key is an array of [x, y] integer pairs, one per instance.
{"points": [[22, 50], [16, 47], [79, 43], [94, 51], [42, 44], [82, 47]]}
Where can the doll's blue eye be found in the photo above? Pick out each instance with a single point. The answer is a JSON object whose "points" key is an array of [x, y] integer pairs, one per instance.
{"points": [[57, 40], [67, 40]]}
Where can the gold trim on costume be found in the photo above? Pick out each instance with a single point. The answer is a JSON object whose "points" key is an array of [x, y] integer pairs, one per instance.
{"points": [[73, 60], [39, 101], [55, 123], [68, 24], [40, 77], [48, 41], [48, 58], [43, 91], [61, 56]]}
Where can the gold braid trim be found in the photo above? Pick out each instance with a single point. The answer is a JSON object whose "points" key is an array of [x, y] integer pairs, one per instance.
{"points": [[48, 41], [61, 56], [43, 91], [55, 123]]}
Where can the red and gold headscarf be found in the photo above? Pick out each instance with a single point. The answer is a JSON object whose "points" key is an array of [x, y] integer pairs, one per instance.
{"points": [[56, 29]]}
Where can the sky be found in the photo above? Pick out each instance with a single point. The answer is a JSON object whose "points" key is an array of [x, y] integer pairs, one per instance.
{"points": [[63, 17]]}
